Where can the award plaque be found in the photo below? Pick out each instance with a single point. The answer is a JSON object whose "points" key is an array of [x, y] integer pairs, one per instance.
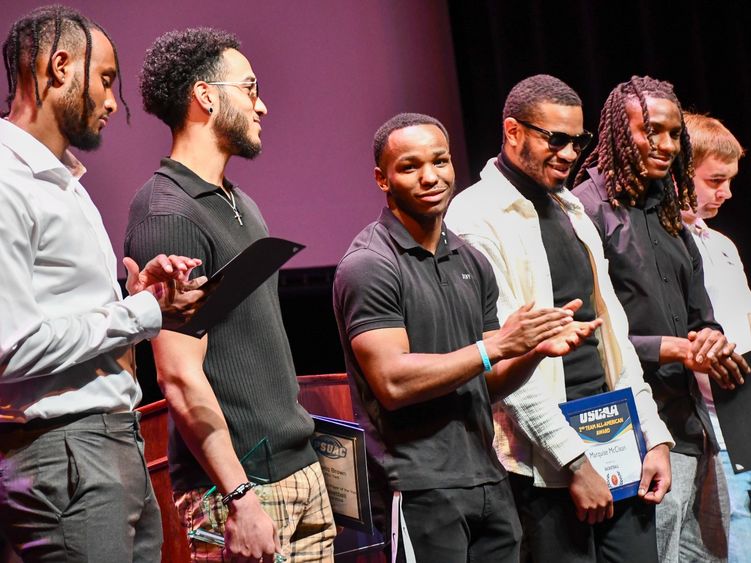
{"points": [[340, 446], [608, 424]]}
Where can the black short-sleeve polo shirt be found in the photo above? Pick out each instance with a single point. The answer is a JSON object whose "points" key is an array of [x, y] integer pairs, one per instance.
{"points": [[444, 302]]}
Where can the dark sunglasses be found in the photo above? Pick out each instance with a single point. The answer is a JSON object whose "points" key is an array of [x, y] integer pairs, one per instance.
{"points": [[558, 141]]}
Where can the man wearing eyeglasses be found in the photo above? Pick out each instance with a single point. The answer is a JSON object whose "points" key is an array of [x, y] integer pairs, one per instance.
{"points": [[544, 249], [236, 387]]}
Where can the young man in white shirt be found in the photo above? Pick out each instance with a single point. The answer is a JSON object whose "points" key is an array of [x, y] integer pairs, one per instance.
{"points": [[73, 480], [716, 153]]}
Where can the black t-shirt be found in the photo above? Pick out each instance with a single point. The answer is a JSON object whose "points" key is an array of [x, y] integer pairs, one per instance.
{"points": [[444, 302], [248, 360], [571, 276]]}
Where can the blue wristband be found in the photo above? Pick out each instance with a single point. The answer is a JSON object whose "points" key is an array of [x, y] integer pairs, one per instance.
{"points": [[484, 355]]}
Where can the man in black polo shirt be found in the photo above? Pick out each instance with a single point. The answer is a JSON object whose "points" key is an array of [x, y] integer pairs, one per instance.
{"points": [[542, 245], [236, 386], [417, 319], [633, 186]]}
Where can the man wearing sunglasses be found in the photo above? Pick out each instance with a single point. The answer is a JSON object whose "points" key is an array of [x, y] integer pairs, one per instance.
{"points": [[235, 390], [544, 249]]}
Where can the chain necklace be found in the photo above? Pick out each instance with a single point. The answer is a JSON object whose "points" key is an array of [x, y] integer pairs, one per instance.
{"points": [[230, 200]]}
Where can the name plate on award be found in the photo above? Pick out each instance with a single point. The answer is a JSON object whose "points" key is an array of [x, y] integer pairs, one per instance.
{"points": [[608, 424], [340, 446]]}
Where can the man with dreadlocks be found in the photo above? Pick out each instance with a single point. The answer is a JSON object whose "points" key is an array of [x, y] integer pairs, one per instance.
{"points": [[73, 484], [633, 186], [544, 248]]}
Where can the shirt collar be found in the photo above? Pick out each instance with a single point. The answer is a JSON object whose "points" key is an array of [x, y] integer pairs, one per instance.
{"points": [[506, 198], [513, 197], [699, 228], [527, 186], [190, 182], [37, 156], [448, 242], [654, 196]]}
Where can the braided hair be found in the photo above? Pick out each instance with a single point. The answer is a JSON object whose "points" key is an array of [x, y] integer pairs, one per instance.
{"points": [[53, 26], [618, 159]]}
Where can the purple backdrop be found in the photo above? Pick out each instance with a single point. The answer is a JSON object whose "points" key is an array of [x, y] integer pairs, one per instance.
{"points": [[331, 71]]}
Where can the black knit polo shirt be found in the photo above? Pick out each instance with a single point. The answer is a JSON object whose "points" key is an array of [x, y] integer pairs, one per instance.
{"points": [[444, 302], [248, 361]]}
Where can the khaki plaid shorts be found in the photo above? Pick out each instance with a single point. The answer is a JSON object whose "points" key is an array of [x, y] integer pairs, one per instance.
{"points": [[299, 505]]}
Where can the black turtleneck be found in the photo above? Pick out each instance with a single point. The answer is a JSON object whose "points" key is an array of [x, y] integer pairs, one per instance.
{"points": [[571, 276]]}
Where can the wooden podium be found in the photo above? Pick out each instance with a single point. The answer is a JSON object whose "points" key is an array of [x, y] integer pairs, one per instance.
{"points": [[327, 395]]}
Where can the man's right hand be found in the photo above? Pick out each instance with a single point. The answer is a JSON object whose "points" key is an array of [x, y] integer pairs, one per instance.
{"points": [[249, 533], [590, 494], [571, 337], [179, 301]]}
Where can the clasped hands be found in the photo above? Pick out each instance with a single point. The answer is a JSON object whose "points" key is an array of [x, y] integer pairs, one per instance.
{"points": [[546, 331], [167, 278], [711, 353]]}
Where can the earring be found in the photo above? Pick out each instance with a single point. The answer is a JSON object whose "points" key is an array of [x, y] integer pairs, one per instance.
{"points": [[211, 110]]}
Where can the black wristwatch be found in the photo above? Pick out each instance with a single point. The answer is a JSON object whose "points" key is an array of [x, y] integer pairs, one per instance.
{"points": [[240, 491]]}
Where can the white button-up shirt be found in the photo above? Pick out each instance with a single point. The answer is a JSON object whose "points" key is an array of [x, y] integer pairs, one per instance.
{"points": [[730, 295], [533, 437], [63, 321]]}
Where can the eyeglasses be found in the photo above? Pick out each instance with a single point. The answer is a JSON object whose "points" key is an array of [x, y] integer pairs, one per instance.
{"points": [[249, 86], [557, 141]]}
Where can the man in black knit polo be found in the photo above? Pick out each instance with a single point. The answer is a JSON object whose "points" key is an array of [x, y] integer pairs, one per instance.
{"points": [[236, 386], [416, 309]]}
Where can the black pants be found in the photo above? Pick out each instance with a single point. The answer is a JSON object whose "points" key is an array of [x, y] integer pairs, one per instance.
{"points": [[475, 524], [552, 531]]}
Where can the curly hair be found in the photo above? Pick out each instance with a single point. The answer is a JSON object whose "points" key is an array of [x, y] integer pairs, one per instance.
{"points": [[51, 27], [526, 96], [618, 159], [400, 121], [174, 63]]}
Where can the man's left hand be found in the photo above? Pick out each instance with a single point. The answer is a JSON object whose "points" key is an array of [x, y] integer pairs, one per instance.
{"points": [[656, 477]]}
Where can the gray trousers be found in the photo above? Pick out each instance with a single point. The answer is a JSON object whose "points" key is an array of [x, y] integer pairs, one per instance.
{"points": [[693, 518], [78, 491]]}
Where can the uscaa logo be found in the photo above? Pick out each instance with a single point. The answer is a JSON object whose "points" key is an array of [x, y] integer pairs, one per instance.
{"points": [[615, 479], [329, 446]]}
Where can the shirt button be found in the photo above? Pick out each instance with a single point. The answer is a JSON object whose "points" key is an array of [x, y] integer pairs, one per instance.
{"points": [[665, 279], [655, 242]]}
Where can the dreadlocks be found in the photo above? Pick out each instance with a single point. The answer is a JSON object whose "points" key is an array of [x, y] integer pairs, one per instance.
{"points": [[618, 160], [53, 26]]}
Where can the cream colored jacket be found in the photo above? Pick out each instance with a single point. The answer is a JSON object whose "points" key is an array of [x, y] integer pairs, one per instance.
{"points": [[532, 435]]}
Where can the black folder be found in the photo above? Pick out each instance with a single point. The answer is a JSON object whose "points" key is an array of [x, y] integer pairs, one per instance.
{"points": [[237, 279], [734, 413]]}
